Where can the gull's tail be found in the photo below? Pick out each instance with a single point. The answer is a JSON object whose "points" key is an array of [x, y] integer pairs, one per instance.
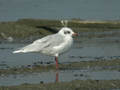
{"points": [[22, 50], [28, 48], [18, 51]]}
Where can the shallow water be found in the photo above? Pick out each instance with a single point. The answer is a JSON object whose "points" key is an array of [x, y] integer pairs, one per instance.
{"points": [[59, 9], [59, 76], [99, 51], [84, 49]]}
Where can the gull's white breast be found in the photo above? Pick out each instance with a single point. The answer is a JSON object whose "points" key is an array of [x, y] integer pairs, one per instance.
{"points": [[65, 46]]}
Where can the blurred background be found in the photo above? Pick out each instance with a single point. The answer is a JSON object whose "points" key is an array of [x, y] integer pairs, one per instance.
{"points": [[11, 10]]}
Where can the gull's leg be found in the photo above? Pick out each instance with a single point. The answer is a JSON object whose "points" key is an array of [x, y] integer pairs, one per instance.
{"points": [[56, 60]]}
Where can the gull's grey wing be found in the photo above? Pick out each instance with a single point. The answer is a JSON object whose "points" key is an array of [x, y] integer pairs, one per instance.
{"points": [[47, 42], [51, 41]]}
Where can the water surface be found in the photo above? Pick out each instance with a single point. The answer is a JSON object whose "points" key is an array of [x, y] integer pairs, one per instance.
{"points": [[60, 76], [11, 10]]}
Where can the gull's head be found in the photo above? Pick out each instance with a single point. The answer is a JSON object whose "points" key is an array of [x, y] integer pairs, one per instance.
{"points": [[65, 31]]}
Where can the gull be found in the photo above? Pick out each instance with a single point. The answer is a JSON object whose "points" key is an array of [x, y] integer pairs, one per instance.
{"points": [[52, 45], [9, 39]]}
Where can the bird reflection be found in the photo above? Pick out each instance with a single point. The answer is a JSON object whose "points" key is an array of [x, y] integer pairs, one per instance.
{"points": [[57, 76]]}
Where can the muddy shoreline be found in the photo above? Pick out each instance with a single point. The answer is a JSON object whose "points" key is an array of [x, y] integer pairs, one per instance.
{"points": [[73, 85], [25, 28], [95, 65]]}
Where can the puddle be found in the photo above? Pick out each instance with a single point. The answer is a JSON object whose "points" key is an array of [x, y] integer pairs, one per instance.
{"points": [[59, 76]]}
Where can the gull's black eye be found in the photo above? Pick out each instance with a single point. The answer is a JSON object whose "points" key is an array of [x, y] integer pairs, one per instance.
{"points": [[67, 32]]}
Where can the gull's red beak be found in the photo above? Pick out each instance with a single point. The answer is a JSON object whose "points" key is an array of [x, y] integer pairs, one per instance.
{"points": [[75, 34]]}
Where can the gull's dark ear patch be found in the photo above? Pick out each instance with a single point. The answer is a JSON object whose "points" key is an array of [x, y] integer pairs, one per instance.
{"points": [[66, 32]]}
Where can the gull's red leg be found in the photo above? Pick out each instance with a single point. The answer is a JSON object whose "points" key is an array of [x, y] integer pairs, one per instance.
{"points": [[56, 60]]}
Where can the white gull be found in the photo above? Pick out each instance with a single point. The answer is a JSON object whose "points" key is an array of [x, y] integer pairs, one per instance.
{"points": [[53, 45]]}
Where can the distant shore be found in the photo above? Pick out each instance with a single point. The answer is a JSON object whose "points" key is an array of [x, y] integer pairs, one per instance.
{"points": [[25, 28]]}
